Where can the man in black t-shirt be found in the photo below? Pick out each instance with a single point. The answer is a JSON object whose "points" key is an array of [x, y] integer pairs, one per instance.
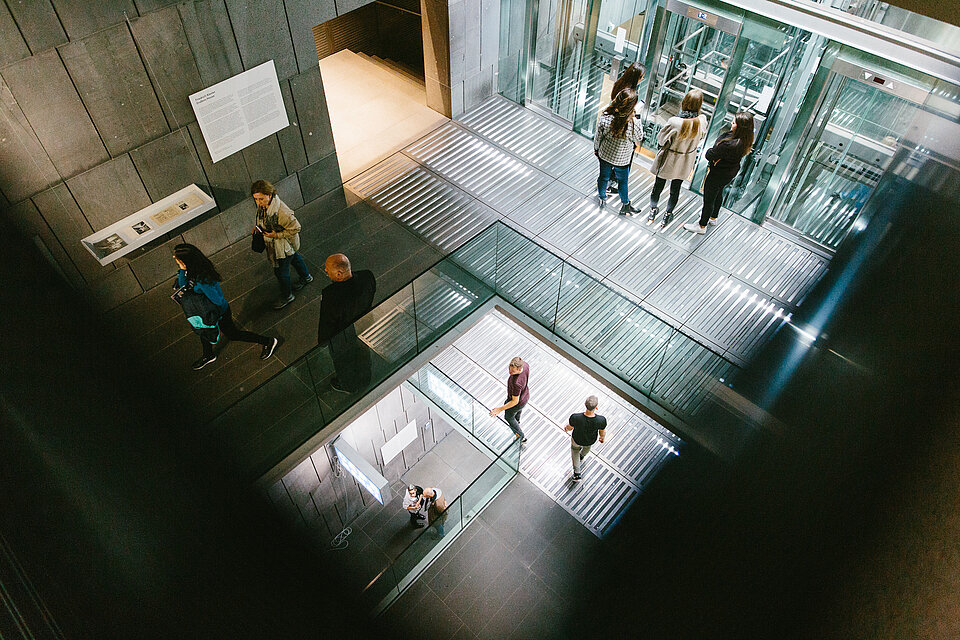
{"points": [[586, 427]]}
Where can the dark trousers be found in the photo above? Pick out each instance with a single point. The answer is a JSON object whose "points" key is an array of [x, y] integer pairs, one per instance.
{"points": [[674, 193], [713, 188], [623, 177], [512, 416], [351, 360], [229, 330], [282, 271]]}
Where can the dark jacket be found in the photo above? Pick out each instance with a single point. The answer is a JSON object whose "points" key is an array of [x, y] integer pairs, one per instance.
{"points": [[210, 289], [345, 302], [724, 157]]}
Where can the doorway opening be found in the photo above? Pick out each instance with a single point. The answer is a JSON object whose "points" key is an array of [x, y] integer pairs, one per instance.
{"points": [[371, 63]]}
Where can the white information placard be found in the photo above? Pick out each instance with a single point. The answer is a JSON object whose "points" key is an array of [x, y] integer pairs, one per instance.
{"points": [[237, 112], [149, 223], [397, 443]]}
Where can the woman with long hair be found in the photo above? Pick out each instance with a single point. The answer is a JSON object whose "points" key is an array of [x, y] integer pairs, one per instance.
{"points": [[614, 142], [198, 273], [281, 238], [629, 79], [677, 154], [724, 158]]}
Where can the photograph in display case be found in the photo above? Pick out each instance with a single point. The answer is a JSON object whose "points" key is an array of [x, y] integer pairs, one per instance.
{"points": [[141, 227], [147, 224], [107, 246]]}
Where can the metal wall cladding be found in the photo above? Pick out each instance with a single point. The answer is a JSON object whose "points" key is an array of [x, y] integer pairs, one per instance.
{"points": [[25, 218], [303, 16], [207, 27], [291, 142], [145, 6], [263, 34], [264, 159], [80, 19], [116, 288], [320, 178], [311, 105], [25, 167], [228, 179], [14, 47], [169, 62], [53, 108], [168, 164], [109, 192], [114, 86], [39, 24], [62, 213]]}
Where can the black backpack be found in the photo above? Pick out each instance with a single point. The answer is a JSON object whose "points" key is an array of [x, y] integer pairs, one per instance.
{"points": [[202, 314]]}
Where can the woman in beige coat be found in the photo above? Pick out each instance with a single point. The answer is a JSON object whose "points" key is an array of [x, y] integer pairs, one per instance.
{"points": [[677, 155], [281, 237]]}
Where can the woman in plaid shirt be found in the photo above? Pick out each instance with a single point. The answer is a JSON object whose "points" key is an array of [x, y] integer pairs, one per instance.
{"points": [[616, 137]]}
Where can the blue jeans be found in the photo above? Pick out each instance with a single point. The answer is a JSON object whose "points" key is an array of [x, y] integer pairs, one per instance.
{"points": [[623, 177], [282, 271]]}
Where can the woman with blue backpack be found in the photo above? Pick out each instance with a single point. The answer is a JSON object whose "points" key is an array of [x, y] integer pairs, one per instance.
{"points": [[207, 310]]}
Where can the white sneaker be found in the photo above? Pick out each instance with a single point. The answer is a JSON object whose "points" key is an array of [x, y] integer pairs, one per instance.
{"points": [[694, 227], [712, 222]]}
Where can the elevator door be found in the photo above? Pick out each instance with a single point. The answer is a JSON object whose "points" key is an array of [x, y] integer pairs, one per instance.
{"points": [[691, 49], [557, 56], [844, 151]]}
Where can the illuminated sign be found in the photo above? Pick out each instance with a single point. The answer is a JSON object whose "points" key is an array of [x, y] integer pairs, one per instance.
{"points": [[364, 472]]}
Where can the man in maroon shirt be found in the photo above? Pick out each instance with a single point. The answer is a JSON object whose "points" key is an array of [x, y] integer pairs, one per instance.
{"points": [[518, 394]]}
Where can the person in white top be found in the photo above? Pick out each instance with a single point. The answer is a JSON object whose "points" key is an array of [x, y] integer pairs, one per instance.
{"points": [[677, 153]]}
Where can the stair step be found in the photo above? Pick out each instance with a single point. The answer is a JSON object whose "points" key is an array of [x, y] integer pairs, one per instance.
{"points": [[400, 68]]}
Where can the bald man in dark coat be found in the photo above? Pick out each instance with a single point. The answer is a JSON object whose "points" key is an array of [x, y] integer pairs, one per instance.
{"points": [[345, 300]]}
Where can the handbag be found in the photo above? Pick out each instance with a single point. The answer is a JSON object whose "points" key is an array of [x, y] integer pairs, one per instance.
{"points": [[257, 243]]}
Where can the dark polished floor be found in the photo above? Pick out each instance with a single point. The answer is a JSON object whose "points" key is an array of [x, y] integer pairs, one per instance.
{"points": [[157, 331]]}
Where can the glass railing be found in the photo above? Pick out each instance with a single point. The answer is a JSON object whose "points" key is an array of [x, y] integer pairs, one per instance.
{"points": [[279, 415], [442, 528], [463, 408], [646, 352]]}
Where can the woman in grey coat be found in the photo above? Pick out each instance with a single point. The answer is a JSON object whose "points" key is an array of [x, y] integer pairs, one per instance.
{"points": [[677, 155]]}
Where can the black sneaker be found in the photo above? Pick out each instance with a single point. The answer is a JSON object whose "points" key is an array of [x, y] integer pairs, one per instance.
{"points": [[667, 218], [202, 362], [653, 214], [602, 203], [268, 349], [282, 302], [337, 386], [577, 477], [628, 210], [612, 188], [303, 283], [523, 441]]}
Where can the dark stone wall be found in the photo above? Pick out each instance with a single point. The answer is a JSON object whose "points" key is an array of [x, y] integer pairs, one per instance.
{"points": [[96, 123]]}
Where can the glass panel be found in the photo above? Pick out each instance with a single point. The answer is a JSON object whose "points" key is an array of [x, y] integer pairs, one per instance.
{"points": [[494, 478], [557, 54], [771, 85], [842, 158], [528, 275], [444, 296], [616, 44], [691, 55], [945, 36], [440, 532], [512, 60]]}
